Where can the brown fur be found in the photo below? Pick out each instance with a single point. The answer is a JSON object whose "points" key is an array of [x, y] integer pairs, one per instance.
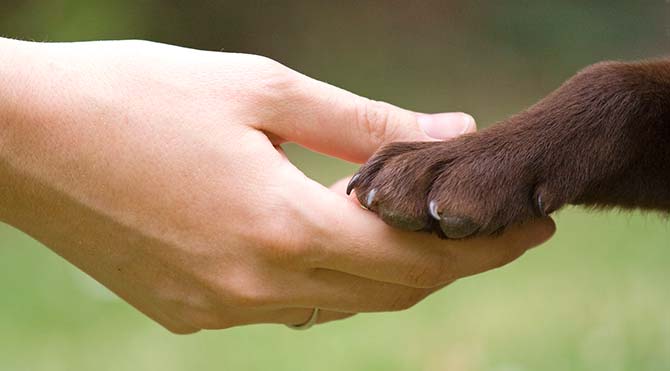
{"points": [[602, 139]]}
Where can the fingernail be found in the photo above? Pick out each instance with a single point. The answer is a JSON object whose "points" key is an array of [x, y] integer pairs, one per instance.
{"points": [[446, 125]]}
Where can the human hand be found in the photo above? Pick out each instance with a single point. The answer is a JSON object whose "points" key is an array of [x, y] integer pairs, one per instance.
{"points": [[157, 170]]}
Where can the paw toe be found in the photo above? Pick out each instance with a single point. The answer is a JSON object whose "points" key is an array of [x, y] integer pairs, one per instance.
{"points": [[457, 227], [454, 227], [402, 221]]}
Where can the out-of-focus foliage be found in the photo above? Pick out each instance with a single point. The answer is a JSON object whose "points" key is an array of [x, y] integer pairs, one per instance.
{"points": [[594, 298]]}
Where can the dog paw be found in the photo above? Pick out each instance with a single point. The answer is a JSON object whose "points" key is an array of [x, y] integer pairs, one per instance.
{"points": [[599, 140], [475, 185]]}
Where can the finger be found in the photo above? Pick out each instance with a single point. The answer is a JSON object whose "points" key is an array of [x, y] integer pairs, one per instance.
{"points": [[178, 328], [477, 258], [336, 122], [171, 323], [296, 316], [340, 187], [423, 260], [342, 292], [352, 240]]}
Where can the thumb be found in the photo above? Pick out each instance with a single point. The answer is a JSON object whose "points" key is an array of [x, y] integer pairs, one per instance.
{"points": [[336, 122]]}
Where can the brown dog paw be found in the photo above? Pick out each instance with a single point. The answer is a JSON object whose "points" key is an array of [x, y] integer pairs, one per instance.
{"points": [[462, 188], [599, 140]]}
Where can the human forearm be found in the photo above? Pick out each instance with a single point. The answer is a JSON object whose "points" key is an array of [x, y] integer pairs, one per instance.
{"points": [[10, 72], [30, 109], [53, 115], [13, 71]]}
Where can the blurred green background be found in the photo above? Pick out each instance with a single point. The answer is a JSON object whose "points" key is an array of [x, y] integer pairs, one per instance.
{"points": [[596, 297]]}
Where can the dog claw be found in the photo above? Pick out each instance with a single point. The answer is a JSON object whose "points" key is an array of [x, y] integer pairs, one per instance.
{"points": [[456, 227], [540, 206], [370, 197], [432, 209], [352, 183]]}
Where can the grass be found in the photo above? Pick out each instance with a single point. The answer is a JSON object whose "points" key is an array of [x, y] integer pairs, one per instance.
{"points": [[593, 298]]}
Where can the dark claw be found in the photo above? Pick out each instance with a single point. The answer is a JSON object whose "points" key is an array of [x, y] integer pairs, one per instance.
{"points": [[456, 227], [352, 183], [432, 209], [540, 206]]}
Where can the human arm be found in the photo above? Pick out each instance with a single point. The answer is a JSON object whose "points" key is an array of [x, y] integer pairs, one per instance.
{"points": [[156, 170]]}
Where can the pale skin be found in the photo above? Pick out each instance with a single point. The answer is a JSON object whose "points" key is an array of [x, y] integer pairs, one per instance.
{"points": [[157, 170]]}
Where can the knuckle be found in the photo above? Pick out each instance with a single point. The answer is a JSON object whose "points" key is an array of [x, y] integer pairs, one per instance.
{"points": [[205, 312], [266, 85], [506, 255], [289, 248], [247, 292], [291, 237], [374, 118], [244, 298], [277, 83], [181, 330], [193, 312], [264, 64], [407, 300], [294, 240], [252, 299]]}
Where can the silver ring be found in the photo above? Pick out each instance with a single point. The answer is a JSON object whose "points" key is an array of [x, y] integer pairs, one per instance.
{"points": [[310, 322]]}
